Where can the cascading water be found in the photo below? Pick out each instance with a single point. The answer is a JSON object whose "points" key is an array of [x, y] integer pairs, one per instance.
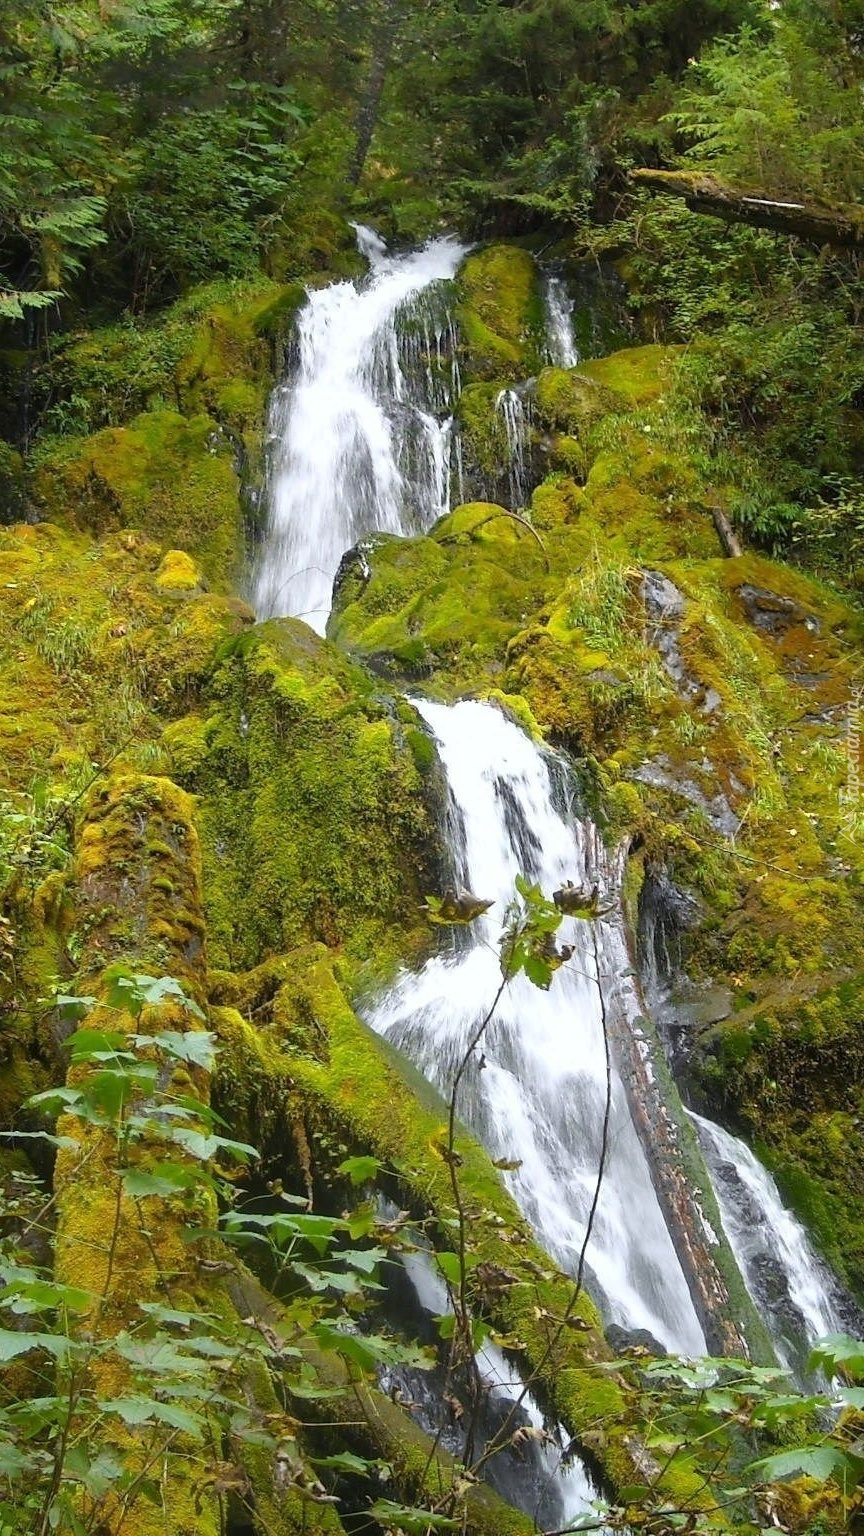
{"points": [[796, 1292], [361, 437], [540, 1097], [514, 408], [362, 442], [558, 305], [541, 1477]]}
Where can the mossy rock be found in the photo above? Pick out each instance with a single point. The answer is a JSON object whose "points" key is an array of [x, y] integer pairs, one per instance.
{"points": [[312, 804], [178, 575], [499, 313], [569, 400], [482, 430], [181, 358], [170, 476], [315, 243], [638, 375]]}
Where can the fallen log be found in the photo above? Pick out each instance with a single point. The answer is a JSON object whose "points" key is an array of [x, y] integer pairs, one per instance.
{"points": [[818, 223]]}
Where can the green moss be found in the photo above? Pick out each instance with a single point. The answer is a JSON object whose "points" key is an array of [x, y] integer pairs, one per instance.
{"points": [[312, 803], [171, 477], [572, 400], [482, 430], [499, 314], [637, 375]]}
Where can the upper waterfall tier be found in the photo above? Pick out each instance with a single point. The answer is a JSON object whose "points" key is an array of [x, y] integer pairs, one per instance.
{"points": [[360, 436]]}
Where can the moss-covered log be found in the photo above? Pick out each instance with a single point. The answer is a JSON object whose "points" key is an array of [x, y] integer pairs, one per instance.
{"points": [[814, 222], [729, 1319], [138, 900], [361, 1417]]}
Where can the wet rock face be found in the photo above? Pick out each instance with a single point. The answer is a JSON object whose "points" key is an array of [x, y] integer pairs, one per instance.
{"points": [[664, 608], [623, 1339], [661, 773], [774, 613], [661, 597]]}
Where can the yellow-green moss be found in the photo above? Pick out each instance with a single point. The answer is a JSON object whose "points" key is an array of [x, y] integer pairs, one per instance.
{"points": [[169, 476], [178, 575], [499, 313], [312, 804]]}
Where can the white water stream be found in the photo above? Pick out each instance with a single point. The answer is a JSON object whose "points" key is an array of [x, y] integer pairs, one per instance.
{"points": [[361, 435], [540, 1096], [561, 348], [794, 1289], [550, 1485], [515, 411]]}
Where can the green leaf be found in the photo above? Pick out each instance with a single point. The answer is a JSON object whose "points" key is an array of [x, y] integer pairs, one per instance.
{"points": [[195, 1046], [107, 1043], [838, 1351], [55, 1100], [366, 1350], [820, 1462], [179, 1418], [450, 1267], [361, 1223], [366, 1260], [360, 1170], [73, 1007], [413, 1521], [13, 1344], [163, 1314], [344, 1461], [164, 1180], [37, 1295], [205, 1147], [132, 1410], [320, 1280], [633, 1493]]}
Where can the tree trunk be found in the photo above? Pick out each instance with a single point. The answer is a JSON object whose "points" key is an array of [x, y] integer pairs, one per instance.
{"points": [[367, 115], [681, 1181], [817, 223]]}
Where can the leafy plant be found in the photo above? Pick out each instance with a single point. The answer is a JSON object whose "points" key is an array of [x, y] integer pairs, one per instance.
{"points": [[68, 1447]]}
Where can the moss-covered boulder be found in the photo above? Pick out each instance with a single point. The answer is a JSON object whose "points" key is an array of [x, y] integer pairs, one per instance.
{"points": [[314, 803], [499, 313], [171, 477]]}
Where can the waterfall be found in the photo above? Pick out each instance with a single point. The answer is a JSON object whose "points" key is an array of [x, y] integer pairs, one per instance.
{"points": [[558, 306], [539, 1098], [360, 436], [542, 1478], [796, 1292], [515, 412]]}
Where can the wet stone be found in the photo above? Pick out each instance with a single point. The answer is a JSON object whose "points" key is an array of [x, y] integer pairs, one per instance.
{"points": [[773, 613]]}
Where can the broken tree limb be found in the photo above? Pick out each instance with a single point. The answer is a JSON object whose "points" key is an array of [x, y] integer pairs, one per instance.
{"points": [[818, 223], [726, 534]]}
